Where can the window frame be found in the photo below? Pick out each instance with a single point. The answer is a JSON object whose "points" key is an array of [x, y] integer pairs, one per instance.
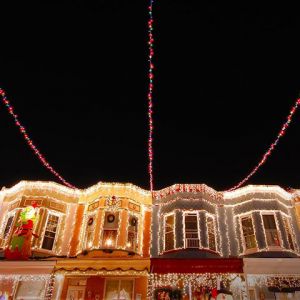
{"points": [[289, 231], [56, 214], [94, 215], [193, 212], [164, 231], [15, 214], [268, 213], [117, 229], [208, 215], [134, 247], [245, 249], [119, 280]]}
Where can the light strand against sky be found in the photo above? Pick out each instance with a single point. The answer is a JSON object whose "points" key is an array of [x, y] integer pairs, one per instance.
{"points": [[29, 141], [150, 93], [271, 147]]}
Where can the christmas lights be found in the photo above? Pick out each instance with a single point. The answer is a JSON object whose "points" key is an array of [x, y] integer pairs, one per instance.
{"points": [[196, 280], [150, 92], [271, 147], [29, 141]]}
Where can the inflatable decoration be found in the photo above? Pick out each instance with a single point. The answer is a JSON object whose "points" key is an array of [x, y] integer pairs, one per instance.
{"points": [[20, 244]]}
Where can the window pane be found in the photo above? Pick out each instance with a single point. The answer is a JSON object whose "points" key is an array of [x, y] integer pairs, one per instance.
{"points": [[191, 231], [132, 233], [169, 233], [248, 233], [271, 230], [111, 220], [89, 232], [191, 222], [269, 222], [126, 288], [211, 233], [112, 290], [8, 226], [50, 232], [289, 233], [109, 238], [169, 225]]}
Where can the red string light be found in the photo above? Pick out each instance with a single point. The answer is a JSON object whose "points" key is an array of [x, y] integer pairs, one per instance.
{"points": [[29, 141], [271, 148], [150, 93]]}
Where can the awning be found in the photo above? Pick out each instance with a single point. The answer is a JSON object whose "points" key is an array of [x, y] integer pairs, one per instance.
{"points": [[90, 265], [209, 265]]}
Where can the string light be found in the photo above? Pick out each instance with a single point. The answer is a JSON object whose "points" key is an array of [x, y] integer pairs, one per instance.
{"points": [[271, 148], [150, 93], [29, 141]]}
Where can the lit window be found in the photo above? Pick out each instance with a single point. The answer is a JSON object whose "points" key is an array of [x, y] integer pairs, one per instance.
{"points": [[110, 230], [169, 232], [248, 232], [118, 289], [288, 231], [271, 230], [191, 231], [132, 234], [50, 232], [8, 227], [89, 232], [211, 233]]}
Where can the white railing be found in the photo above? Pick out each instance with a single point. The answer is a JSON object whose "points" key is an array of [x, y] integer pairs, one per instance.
{"points": [[192, 243]]}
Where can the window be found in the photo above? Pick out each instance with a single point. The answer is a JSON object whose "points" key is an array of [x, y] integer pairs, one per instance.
{"points": [[211, 233], [169, 232], [76, 289], [271, 230], [132, 233], [50, 232], [288, 231], [191, 231], [8, 227], [89, 232], [118, 289], [110, 230], [248, 232]]}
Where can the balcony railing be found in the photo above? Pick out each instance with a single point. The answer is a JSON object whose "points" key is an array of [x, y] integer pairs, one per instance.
{"points": [[192, 243]]}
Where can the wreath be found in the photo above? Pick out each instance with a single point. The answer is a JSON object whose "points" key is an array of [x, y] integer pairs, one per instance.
{"points": [[90, 221], [133, 221], [110, 218]]}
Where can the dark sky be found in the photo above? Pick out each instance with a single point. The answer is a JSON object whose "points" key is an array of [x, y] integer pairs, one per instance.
{"points": [[76, 72]]}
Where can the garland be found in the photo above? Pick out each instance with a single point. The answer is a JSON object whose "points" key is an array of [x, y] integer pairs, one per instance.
{"points": [[271, 147], [29, 141], [150, 92]]}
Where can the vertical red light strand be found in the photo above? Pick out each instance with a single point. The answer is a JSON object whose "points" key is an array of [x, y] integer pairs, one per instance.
{"points": [[150, 93], [271, 147], [29, 141]]}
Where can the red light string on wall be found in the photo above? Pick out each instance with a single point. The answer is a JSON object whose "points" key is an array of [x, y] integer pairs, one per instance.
{"points": [[29, 141], [150, 93], [271, 148]]}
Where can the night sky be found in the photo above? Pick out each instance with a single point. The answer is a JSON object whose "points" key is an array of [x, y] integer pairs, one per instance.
{"points": [[226, 77]]}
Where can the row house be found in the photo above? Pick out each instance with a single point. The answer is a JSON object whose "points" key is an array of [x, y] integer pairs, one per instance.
{"points": [[245, 243], [117, 241], [86, 244]]}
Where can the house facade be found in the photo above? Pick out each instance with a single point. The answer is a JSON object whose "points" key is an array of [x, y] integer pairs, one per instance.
{"points": [[117, 241], [207, 240], [98, 239]]}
